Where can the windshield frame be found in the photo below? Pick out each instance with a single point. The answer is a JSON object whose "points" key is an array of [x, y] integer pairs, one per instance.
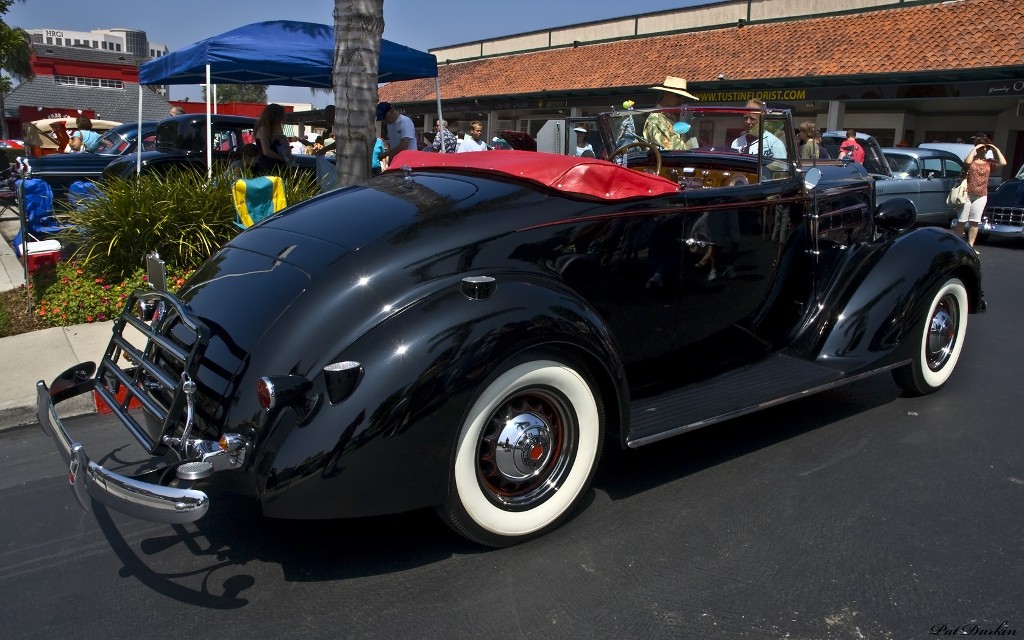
{"points": [[715, 129]]}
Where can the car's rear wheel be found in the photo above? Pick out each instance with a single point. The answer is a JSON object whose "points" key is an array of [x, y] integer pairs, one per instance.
{"points": [[939, 341], [525, 454]]}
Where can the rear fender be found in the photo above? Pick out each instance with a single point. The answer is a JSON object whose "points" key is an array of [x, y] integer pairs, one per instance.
{"points": [[387, 447]]}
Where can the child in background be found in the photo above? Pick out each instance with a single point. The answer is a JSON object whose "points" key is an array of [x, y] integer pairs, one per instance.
{"points": [[244, 166]]}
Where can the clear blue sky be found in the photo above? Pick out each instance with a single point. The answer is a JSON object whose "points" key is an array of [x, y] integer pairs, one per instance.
{"points": [[421, 24]]}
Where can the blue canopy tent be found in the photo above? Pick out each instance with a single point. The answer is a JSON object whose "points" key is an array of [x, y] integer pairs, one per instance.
{"points": [[280, 53]]}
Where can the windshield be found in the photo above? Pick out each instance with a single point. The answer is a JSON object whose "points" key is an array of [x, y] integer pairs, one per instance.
{"points": [[742, 132], [110, 142], [903, 166], [722, 130]]}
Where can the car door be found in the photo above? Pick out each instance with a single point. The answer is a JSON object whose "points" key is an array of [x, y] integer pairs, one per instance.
{"points": [[934, 185], [735, 238]]}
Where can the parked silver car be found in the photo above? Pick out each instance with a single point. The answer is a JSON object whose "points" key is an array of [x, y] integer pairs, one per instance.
{"points": [[962, 150], [928, 175], [927, 191]]}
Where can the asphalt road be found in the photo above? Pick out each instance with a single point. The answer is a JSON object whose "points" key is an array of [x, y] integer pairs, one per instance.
{"points": [[856, 513]]}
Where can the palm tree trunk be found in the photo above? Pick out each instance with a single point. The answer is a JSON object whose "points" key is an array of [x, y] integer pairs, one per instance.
{"points": [[358, 27]]}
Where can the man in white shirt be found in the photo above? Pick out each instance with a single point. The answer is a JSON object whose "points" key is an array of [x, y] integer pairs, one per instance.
{"points": [[753, 140], [401, 131], [475, 142]]}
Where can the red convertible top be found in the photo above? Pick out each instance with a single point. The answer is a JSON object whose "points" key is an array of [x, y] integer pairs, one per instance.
{"points": [[582, 176]]}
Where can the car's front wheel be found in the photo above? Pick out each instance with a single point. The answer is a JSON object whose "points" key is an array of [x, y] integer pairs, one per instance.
{"points": [[939, 341], [525, 454]]}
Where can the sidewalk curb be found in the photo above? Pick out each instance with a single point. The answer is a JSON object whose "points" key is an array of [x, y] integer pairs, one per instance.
{"points": [[44, 355]]}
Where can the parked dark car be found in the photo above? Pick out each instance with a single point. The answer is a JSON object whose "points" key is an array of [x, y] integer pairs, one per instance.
{"points": [[468, 331], [181, 142], [926, 175], [60, 170], [888, 184], [1004, 210]]}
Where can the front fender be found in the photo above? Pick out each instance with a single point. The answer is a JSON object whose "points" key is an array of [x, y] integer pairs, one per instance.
{"points": [[387, 447], [866, 327]]}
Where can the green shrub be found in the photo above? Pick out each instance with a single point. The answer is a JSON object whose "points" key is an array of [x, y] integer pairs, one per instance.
{"points": [[180, 214], [299, 185]]}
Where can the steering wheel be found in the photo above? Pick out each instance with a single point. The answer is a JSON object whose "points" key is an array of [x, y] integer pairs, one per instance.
{"points": [[644, 144]]}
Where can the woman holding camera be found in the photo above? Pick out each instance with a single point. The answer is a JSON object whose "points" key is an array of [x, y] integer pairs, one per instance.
{"points": [[980, 161]]}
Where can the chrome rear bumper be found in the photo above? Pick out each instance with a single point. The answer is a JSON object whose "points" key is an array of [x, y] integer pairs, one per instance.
{"points": [[134, 497]]}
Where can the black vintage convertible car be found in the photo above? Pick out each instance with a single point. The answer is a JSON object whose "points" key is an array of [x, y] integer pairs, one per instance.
{"points": [[468, 331]]}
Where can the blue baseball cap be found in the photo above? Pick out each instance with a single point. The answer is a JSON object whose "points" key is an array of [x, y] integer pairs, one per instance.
{"points": [[382, 110]]}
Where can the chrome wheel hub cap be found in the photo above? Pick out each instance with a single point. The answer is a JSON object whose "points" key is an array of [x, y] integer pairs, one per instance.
{"points": [[523, 447], [941, 334]]}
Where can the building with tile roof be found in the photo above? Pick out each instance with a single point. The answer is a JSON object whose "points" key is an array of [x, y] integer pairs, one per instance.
{"points": [[913, 70], [103, 84]]}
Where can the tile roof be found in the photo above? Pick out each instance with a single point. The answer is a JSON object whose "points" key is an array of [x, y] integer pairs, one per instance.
{"points": [[121, 105], [957, 35]]}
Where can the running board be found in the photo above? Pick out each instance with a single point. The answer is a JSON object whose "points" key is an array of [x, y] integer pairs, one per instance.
{"points": [[778, 379]]}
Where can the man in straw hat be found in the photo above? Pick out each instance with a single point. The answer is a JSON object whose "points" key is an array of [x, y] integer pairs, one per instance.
{"points": [[658, 128]]}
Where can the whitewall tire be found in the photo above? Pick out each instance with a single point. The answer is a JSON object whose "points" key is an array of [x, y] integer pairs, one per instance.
{"points": [[939, 341], [525, 453]]}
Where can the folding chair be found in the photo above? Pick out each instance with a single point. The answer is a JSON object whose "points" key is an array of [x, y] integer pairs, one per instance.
{"points": [[82, 192], [258, 198], [38, 220]]}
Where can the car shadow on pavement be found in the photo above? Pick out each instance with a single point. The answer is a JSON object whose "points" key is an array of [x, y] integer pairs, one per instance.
{"points": [[220, 550], [623, 474], [225, 552]]}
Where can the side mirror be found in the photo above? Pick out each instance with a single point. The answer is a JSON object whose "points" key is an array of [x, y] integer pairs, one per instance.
{"points": [[895, 214], [812, 178]]}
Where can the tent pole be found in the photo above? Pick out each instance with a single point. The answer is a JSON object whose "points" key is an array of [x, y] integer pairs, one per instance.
{"points": [[209, 127], [20, 187], [138, 137], [437, 92]]}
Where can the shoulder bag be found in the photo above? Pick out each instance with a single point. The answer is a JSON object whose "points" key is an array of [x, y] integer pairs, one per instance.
{"points": [[958, 194]]}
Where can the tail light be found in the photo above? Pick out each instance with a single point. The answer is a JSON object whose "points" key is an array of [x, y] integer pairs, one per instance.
{"points": [[275, 391]]}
